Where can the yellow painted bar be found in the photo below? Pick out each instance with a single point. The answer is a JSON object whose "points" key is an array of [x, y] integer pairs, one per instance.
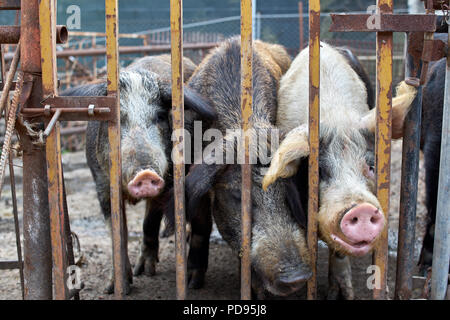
{"points": [[176, 29], [314, 121], [246, 110], [57, 219], [383, 142], [47, 21], [115, 169]]}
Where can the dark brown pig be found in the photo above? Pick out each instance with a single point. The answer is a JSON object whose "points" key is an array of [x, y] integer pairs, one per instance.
{"points": [[279, 256], [145, 104]]}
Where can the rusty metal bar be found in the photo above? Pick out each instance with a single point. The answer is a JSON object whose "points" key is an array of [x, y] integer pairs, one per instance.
{"points": [[115, 169], [408, 200], [314, 122], [441, 249], [246, 110], [383, 143], [47, 20], [408, 190], [300, 24], [36, 225], [131, 50], [176, 28], [387, 22], [11, 34], [9, 4], [9, 265]]}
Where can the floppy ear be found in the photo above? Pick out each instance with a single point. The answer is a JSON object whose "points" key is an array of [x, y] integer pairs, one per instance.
{"points": [[192, 100], [405, 95], [285, 162]]}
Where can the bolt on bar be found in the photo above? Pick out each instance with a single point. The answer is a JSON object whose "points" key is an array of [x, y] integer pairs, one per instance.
{"points": [[383, 142], [246, 110], [115, 170], [314, 123], [441, 249], [176, 29], [47, 21]]}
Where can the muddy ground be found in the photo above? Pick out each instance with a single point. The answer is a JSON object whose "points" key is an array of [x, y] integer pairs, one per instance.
{"points": [[222, 280]]}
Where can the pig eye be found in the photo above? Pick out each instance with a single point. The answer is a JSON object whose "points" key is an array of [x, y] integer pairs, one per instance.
{"points": [[161, 117], [369, 171]]}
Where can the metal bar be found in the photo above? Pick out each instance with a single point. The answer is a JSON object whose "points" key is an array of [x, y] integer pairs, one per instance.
{"points": [[11, 34], [36, 225], [12, 181], [408, 199], [300, 24], [176, 23], [314, 123], [383, 142], [115, 169], [9, 4], [57, 219], [9, 79], [387, 22], [9, 265], [246, 110], [441, 249], [131, 50], [47, 20]]}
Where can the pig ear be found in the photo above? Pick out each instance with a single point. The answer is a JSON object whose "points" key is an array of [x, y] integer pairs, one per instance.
{"points": [[405, 95], [192, 100], [285, 162]]}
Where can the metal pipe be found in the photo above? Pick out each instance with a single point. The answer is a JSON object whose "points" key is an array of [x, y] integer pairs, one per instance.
{"points": [[120, 255], [11, 34], [408, 199], [36, 224], [441, 249], [300, 24], [383, 143], [176, 24], [246, 110], [314, 126]]}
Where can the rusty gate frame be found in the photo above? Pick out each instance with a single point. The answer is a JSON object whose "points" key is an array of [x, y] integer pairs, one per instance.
{"points": [[44, 104]]}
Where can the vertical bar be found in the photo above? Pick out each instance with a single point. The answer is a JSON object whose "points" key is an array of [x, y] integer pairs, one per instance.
{"points": [[36, 226], [176, 27], [47, 22], [300, 25], [409, 184], [441, 249], [246, 110], [383, 142], [115, 168], [314, 120]]}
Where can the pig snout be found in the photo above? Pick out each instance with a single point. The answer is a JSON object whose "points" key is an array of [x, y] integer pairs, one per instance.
{"points": [[145, 184], [293, 280], [361, 226]]}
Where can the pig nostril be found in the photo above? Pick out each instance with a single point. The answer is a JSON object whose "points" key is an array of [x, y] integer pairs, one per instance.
{"points": [[155, 182], [354, 220], [139, 184]]}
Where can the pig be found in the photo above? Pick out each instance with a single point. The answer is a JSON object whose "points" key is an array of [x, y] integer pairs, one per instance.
{"points": [[350, 217], [280, 259], [145, 104], [431, 134]]}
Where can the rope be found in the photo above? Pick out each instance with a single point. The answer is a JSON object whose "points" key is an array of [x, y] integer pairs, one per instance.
{"points": [[11, 121]]}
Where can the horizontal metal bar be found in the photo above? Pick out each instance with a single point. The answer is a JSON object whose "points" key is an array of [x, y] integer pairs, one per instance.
{"points": [[13, 86], [9, 265], [384, 22], [11, 34], [9, 4], [131, 50]]}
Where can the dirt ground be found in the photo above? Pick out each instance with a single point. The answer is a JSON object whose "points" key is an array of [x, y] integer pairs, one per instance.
{"points": [[222, 280]]}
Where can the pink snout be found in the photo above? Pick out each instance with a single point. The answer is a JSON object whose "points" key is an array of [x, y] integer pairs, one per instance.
{"points": [[362, 224], [145, 184]]}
